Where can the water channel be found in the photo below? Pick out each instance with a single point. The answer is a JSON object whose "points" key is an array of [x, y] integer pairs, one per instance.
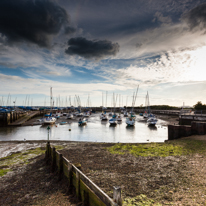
{"points": [[94, 131]]}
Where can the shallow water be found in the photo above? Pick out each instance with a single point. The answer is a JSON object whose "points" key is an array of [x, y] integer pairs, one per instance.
{"points": [[94, 131]]}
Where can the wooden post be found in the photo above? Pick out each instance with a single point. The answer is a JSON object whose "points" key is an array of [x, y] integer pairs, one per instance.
{"points": [[53, 159], [117, 195], [78, 185], [47, 155], [86, 199], [60, 166], [70, 177]]}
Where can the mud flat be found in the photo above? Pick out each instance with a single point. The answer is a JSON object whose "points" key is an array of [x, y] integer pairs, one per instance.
{"points": [[172, 173]]}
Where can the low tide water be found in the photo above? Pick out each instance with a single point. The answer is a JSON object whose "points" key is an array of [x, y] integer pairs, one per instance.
{"points": [[94, 131]]}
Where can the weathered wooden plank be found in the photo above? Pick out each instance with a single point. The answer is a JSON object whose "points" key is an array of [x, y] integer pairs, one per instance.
{"points": [[102, 196]]}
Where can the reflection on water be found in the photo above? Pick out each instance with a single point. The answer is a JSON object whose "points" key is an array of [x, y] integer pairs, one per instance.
{"points": [[95, 130], [112, 125], [152, 127]]}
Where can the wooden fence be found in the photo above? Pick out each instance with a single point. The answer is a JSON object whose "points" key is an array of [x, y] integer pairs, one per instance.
{"points": [[86, 191]]}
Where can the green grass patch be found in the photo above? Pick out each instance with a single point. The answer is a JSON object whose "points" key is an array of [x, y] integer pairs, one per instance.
{"points": [[140, 200], [21, 157], [174, 148], [3, 172], [59, 147]]}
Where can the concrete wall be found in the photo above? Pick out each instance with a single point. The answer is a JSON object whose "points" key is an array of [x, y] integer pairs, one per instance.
{"points": [[178, 131]]}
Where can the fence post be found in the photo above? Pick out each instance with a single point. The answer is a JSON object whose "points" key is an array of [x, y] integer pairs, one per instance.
{"points": [[53, 159], [117, 195], [78, 185], [86, 199], [60, 165], [47, 153], [70, 176]]}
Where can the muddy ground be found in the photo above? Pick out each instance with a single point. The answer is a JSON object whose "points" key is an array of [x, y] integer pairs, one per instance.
{"points": [[170, 180], [145, 180]]}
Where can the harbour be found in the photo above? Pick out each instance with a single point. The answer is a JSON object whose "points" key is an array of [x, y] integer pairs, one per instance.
{"points": [[94, 131]]}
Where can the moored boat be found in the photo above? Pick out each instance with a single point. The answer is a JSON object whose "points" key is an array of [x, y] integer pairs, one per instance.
{"points": [[119, 118], [125, 114], [152, 120], [48, 120], [82, 121], [113, 121], [104, 117], [130, 121], [70, 116]]}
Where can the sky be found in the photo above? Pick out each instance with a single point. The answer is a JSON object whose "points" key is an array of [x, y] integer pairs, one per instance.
{"points": [[94, 49]]}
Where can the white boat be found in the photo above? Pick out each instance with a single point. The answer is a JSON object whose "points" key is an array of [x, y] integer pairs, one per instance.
{"points": [[48, 120], [110, 114], [86, 114], [70, 116], [113, 121], [145, 115], [130, 121], [152, 120], [119, 118], [101, 115], [104, 117], [125, 114], [80, 114]]}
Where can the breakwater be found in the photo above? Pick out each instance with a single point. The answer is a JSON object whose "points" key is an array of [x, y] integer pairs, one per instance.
{"points": [[16, 118], [86, 191], [178, 131], [10, 117]]}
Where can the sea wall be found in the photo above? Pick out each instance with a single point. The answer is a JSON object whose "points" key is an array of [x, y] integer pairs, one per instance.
{"points": [[86, 191], [188, 119], [178, 131]]}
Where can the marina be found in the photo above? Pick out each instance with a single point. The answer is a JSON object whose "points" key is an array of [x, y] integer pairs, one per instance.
{"points": [[94, 131]]}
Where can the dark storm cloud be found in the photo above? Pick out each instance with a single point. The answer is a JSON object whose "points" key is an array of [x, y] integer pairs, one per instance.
{"points": [[70, 30], [31, 20], [196, 18], [91, 49]]}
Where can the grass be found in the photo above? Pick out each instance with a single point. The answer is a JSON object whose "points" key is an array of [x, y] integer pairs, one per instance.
{"points": [[24, 157], [18, 158], [173, 148], [3, 172], [140, 200]]}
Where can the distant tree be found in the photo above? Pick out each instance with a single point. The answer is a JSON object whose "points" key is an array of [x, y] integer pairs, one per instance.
{"points": [[199, 106]]}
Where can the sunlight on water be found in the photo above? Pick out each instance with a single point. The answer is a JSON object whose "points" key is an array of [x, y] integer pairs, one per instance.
{"points": [[94, 131]]}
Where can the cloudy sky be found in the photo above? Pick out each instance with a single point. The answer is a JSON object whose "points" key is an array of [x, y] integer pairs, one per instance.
{"points": [[89, 47]]}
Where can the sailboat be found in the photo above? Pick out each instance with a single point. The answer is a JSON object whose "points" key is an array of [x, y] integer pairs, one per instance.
{"points": [[130, 121], [70, 116], [119, 117], [146, 111], [151, 119], [103, 115], [49, 119], [82, 121], [125, 112], [113, 121]]}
